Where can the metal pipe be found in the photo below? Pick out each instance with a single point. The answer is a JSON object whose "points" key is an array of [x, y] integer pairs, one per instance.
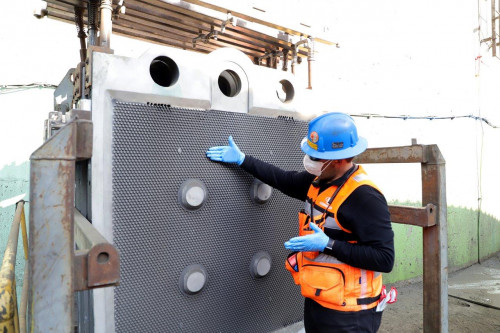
{"points": [[310, 60], [92, 12], [493, 29], [24, 299], [119, 9], [8, 317], [271, 58], [265, 56], [295, 47], [106, 25], [309, 73], [83, 50], [275, 58], [24, 293], [81, 32], [285, 60], [23, 232], [300, 42], [294, 58]]}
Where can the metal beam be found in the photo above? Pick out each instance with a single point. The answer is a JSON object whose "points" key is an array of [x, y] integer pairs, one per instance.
{"points": [[97, 263], [239, 11], [417, 216], [405, 154], [51, 232], [435, 245], [51, 243]]}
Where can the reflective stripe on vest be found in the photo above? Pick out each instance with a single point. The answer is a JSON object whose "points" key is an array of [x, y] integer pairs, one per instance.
{"points": [[323, 277]]}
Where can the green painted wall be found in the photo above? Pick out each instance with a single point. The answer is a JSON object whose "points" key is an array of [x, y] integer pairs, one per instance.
{"points": [[489, 238], [462, 242], [14, 180], [462, 237], [409, 255]]}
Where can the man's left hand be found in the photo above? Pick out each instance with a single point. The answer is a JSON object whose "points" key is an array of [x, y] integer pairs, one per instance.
{"points": [[312, 242]]}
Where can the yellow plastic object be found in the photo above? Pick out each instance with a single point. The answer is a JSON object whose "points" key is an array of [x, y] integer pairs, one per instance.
{"points": [[9, 320]]}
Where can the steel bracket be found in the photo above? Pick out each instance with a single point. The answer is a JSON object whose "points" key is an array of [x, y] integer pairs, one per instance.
{"points": [[97, 263]]}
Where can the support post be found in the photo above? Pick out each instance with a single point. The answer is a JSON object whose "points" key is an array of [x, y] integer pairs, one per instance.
{"points": [[51, 243], [105, 24], [435, 276]]}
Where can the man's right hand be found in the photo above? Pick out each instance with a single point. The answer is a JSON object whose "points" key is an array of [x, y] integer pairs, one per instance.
{"points": [[226, 154]]}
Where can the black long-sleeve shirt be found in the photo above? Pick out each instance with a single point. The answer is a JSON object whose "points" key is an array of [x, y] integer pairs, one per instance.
{"points": [[364, 212]]}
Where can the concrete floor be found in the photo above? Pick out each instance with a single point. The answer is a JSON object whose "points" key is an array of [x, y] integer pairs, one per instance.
{"points": [[473, 303]]}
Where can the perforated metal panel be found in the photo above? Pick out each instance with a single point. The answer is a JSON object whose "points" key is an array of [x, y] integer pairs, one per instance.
{"points": [[155, 149]]}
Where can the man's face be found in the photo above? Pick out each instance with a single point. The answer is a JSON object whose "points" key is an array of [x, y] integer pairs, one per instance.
{"points": [[333, 169], [327, 167]]}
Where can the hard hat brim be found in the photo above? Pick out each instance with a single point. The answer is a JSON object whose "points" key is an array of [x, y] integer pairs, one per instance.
{"points": [[335, 155]]}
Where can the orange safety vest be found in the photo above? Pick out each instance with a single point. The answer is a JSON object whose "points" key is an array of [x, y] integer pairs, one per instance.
{"points": [[322, 277]]}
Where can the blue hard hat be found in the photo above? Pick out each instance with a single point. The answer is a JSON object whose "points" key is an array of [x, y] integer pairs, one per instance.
{"points": [[333, 136]]}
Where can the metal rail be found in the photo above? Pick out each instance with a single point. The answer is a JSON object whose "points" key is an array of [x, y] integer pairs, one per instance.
{"points": [[431, 217], [56, 268]]}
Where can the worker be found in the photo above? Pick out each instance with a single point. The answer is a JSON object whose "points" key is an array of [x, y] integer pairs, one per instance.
{"points": [[345, 236]]}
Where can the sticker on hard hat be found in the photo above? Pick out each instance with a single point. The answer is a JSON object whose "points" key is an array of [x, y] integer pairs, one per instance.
{"points": [[337, 145], [312, 145], [314, 137]]}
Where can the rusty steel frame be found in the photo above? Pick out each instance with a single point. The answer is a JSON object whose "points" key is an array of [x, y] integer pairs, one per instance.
{"points": [[53, 276], [176, 23], [432, 218]]}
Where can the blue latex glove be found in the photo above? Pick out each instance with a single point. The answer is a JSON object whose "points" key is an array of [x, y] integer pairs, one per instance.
{"points": [[226, 154], [312, 242]]}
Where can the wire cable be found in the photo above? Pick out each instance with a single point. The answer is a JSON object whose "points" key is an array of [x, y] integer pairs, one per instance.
{"points": [[13, 88], [408, 117], [480, 132]]}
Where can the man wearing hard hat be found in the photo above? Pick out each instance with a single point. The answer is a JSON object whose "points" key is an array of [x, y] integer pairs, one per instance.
{"points": [[345, 237]]}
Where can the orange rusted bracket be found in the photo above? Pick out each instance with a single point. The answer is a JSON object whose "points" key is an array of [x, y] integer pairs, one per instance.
{"points": [[417, 216], [97, 263]]}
